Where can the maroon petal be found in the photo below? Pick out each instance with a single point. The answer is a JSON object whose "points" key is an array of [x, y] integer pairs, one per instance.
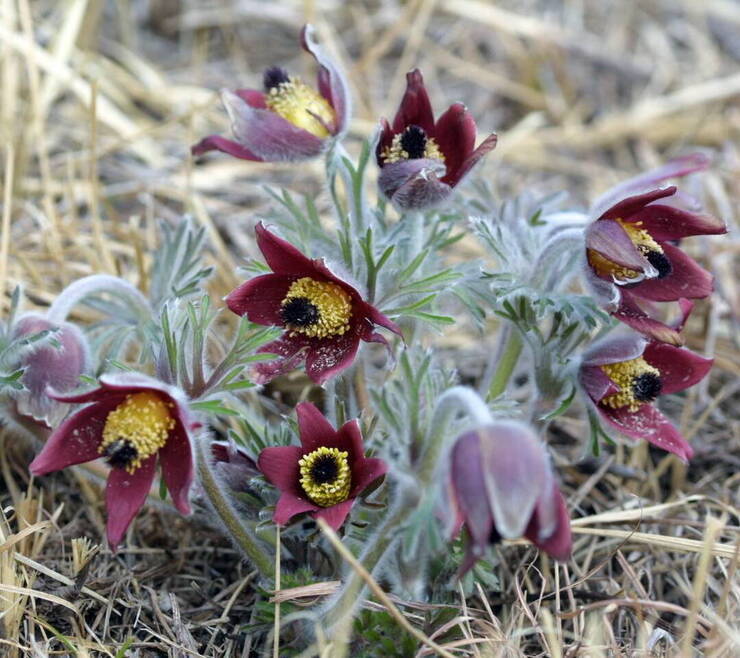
{"points": [[630, 313], [414, 184], [376, 317], [76, 440], [629, 206], [609, 239], [176, 458], [415, 108], [455, 134], [124, 496], [596, 383], [349, 438], [336, 514], [385, 139], [252, 97], [281, 256], [679, 368], [649, 424], [291, 350], [487, 145], [560, 543], [229, 146], [260, 298], [687, 279], [280, 466], [288, 505], [315, 430], [328, 357], [614, 349], [468, 486], [670, 223], [365, 472]]}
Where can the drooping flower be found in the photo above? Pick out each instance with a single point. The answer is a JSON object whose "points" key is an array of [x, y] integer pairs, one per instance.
{"points": [[421, 161], [632, 259], [289, 120], [502, 486], [58, 365], [624, 375], [323, 475], [325, 317], [132, 421]]}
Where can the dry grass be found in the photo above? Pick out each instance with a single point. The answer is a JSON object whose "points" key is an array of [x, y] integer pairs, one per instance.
{"points": [[98, 105]]}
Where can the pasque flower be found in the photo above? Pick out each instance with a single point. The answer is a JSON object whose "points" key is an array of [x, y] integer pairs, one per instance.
{"points": [[323, 475], [288, 120], [421, 161], [624, 375], [632, 257], [324, 316], [502, 486], [59, 365], [132, 421]]}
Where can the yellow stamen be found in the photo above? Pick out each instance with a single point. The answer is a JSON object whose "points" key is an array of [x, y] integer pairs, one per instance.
{"points": [[623, 374], [143, 422], [395, 151], [303, 106], [640, 238], [332, 303], [325, 476]]}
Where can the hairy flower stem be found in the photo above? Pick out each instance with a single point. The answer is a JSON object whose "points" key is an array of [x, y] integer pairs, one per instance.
{"points": [[505, 358], [94, 284], [238, 531]]}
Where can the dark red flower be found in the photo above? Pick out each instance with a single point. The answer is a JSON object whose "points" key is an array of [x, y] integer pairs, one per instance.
{"points": [[325, 317], [323, 475], [624, 375], [632, 257], [502, 486], [421, 161], [132, 420], [289, 120]]}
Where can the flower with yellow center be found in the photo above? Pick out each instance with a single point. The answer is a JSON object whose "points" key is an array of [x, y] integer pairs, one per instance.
{"points": [[136, 429], [302, 105], [647, 246], [316, 308], [639, 383], [413, 143], [326, 476]]}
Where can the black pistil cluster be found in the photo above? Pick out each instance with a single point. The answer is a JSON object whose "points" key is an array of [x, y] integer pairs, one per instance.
{"points": [[299, 312], [646, 387], [274, 77], [325, 469], [414, 142], [120, 453], [660, 262]]}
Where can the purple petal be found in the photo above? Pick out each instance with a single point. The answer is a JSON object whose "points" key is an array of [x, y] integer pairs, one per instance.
{"points": [[280, 466], [252, 97], [176, 458], [415, 108], [609, 239], [596, 383], [315, 430], [670, 223], [329, 356], [687, 279], [414, 184], [559, 544], [679, 367], [614, 349], [76, 440], [260, 298], [336, 514], [228, 146], [290, 504], [630, 313], [291, 349], [455, 133], [649, 424], [124, 496], [468, 486], [268, 135]]}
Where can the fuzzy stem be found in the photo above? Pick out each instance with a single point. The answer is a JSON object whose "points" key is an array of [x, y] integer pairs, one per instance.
{"points": [[76, 291], [240, 534], [507, 357]]}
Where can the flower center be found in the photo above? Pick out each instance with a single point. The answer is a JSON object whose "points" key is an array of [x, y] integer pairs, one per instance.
{"points": [[412, 144], [135, 430], [638, 380], [298, 103], [316, 308], [648, 247], [326, 476]]}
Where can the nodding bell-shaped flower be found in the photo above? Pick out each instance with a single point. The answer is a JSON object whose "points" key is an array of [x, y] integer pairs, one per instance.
{"points": [[632, 257], [421, 161], [288, 120], [58, 365], [502, 486], [325, 318], [624, 375], [323, 475], [132, 421]]}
